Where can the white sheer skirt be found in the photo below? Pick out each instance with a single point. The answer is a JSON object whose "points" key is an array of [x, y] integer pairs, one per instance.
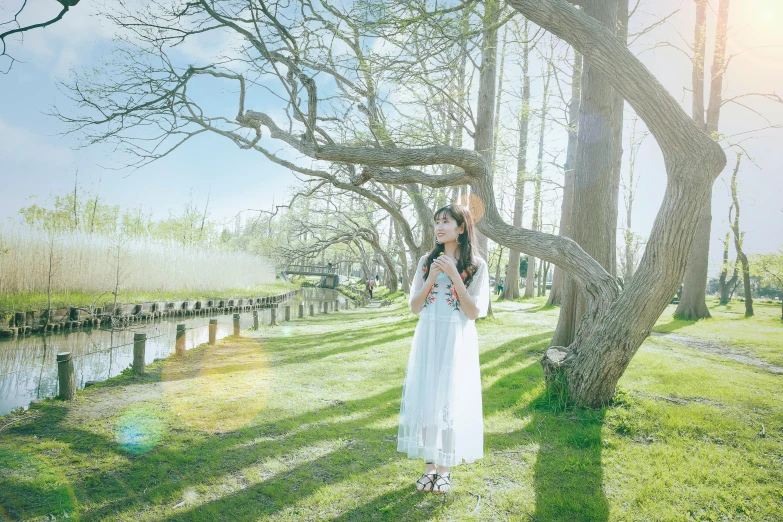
{"points": [[441, 417]]}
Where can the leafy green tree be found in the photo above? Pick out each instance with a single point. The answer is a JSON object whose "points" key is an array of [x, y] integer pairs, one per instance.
{"points": [[73, 212], [770, 268]]}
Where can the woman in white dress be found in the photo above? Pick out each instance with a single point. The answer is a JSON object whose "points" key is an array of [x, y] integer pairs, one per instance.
{"points": [[441, 417]]}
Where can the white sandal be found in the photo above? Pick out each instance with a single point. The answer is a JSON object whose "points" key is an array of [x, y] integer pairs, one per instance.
{"points": [[446, 478], [429, 478]]}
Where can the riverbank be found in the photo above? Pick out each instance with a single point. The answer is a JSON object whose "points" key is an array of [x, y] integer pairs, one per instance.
{"points": [[31, 301], [298, 422]]}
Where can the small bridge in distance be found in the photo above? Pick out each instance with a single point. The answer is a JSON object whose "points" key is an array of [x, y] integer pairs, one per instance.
{"points": [[331, 278]]}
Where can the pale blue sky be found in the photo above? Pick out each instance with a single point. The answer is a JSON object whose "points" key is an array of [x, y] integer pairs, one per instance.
{"points": [[35, 160]]}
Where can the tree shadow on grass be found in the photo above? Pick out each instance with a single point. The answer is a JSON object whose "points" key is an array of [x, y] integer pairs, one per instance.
{"points": [[567, 475], [202, 463]]}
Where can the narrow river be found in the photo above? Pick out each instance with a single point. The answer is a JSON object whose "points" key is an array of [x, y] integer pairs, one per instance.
{"points": [[28, 367]]}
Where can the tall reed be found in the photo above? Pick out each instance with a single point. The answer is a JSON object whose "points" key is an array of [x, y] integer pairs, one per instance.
{"points": [[80, 262]]}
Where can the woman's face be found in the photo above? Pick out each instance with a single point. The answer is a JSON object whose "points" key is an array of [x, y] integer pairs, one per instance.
{"points": [[446, 229]]}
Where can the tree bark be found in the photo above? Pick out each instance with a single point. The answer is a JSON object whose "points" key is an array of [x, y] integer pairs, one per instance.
{"points": [[594, 215]]}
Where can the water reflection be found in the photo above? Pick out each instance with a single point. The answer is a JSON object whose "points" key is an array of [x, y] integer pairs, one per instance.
{"points": [[28, 367]]}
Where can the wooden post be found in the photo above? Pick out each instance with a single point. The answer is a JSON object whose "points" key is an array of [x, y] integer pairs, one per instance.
{"points": [[255, 319], [139, 347], [236, 324], [312, 309], [287, 312], [273, 322], [301, 310], [179, 346], [66, 376], [212, 331]]}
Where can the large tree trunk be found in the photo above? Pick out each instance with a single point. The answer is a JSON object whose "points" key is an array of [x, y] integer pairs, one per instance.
{"points": [[593, 364], [594, 215], [484, 138], [558, 276], [511, 288], [693, 303]]}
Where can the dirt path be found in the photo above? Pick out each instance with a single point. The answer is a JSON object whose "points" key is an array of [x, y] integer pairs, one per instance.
{"points": [[703, 345]]}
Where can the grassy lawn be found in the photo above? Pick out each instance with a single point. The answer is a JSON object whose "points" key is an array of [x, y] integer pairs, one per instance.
{"points": [[38, 300], [298, 422], [759, 336]]}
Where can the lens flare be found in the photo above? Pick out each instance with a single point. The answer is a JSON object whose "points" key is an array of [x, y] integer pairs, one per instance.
{"points": [[757, 40], [474, 203], [138, 430], [286, 331], [218, 388]]}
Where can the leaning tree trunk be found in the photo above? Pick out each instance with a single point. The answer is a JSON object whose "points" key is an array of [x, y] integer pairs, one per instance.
{"points": [[558, 276], [594, 214], [608, 338]]}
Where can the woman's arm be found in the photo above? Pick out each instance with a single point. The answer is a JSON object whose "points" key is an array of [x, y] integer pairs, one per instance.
{"points": [[417, 299], [466, 302], [421, 287]]}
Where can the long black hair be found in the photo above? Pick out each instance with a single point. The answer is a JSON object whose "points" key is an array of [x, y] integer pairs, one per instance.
{"points": [[466, 264]]}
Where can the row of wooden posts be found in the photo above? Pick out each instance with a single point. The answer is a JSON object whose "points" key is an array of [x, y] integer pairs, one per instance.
{"points": [[67, 377], [20, 323]]}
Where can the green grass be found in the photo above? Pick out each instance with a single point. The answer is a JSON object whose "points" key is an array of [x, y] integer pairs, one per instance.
{"points": [[297, 422], [38, 301], [382, 292], [758, 335]]}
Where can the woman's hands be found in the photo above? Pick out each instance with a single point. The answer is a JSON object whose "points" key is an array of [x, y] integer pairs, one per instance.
{"points": [[433, 273], [446, 265]]}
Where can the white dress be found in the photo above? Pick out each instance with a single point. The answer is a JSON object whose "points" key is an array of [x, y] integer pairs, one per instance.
{"points": [[441, 416]]}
